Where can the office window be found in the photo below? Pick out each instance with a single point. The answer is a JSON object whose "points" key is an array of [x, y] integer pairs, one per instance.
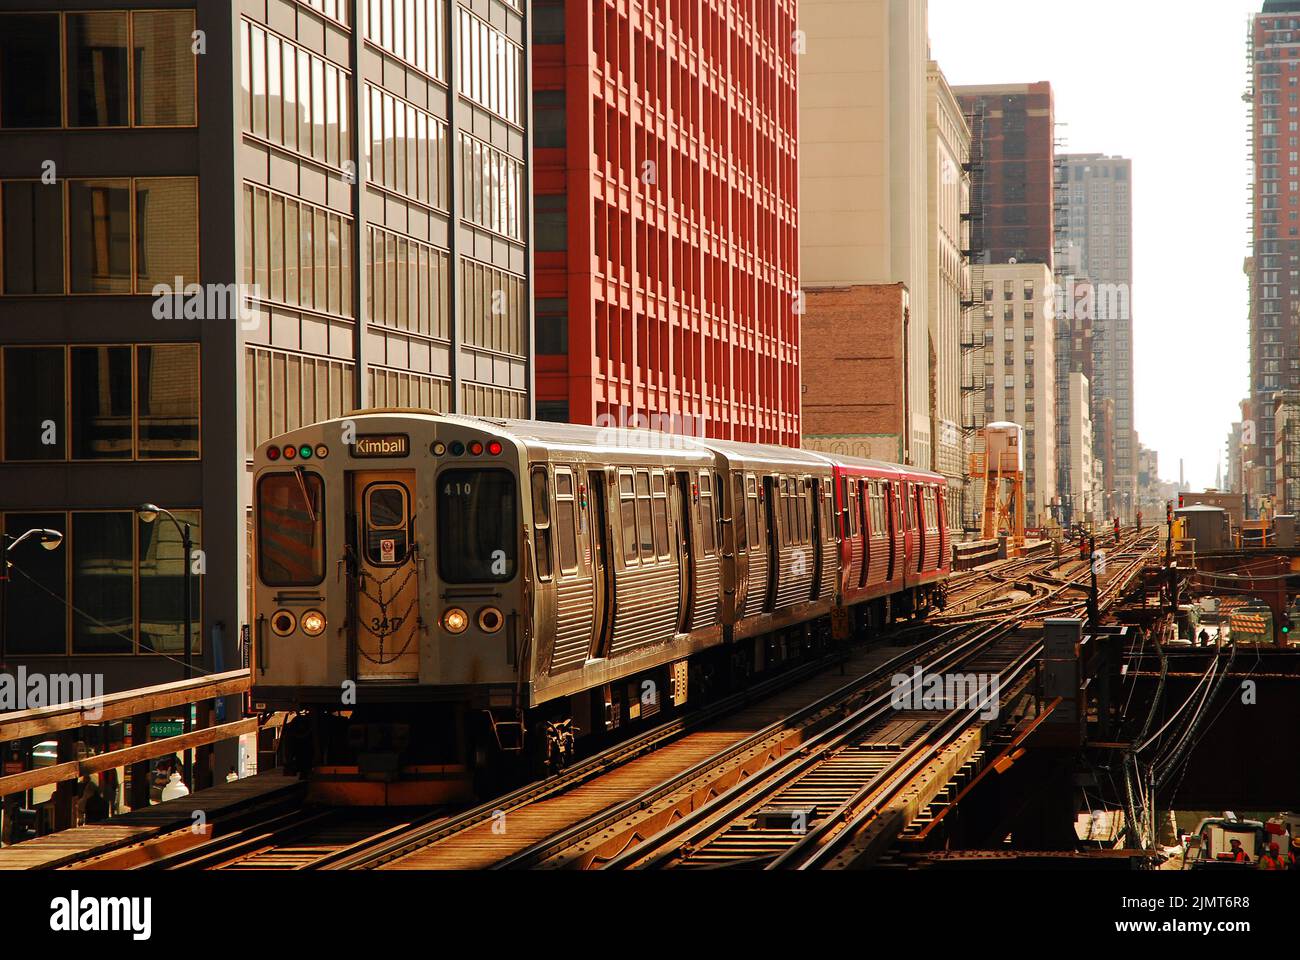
{"points": [[33, 237], [310, 246], [99, 229], [100, 403], [167, 401], [491, 188], [551, 325], [407, 149], [413, 31], [161, 566], [29, 71], [490, 67], [37, 620], [408, 284], [102, 582], [286, 391], [493, 308], [167, 220], [549, 122], [34, 410], [163, 61], [551, 222], [97, 69]]}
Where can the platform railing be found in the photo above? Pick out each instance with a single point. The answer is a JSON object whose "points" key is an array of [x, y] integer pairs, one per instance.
{"points": [[64, 723]]}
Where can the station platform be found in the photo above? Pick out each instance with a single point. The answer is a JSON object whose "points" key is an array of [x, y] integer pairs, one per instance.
{"points": [[65, 847]]}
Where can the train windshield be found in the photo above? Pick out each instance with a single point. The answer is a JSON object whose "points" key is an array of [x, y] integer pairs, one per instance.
{"points": [[291, 529], [478, 526]]}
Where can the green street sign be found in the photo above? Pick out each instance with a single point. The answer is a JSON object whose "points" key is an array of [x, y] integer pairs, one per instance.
{"points": [[158, 729]]}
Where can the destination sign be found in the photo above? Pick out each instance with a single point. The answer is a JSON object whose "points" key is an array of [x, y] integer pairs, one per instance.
{"points": [[381, 445]]}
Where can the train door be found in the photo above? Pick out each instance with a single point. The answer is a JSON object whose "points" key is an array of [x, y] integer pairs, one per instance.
{"points": [[921, 536], [740, 542], [685, 552], [818, 522], [773, 542], [863, 507], [385, 583], [891, 526], [602, 565]]}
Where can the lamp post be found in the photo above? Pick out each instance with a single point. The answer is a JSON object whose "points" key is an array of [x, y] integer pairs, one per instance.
{"points": [[148, 512], [49, 539]]}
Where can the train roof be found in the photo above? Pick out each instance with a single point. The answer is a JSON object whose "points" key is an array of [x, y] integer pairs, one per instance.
{"points": [[582, 437]]}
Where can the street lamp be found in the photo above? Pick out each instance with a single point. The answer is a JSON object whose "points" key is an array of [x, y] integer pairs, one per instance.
{"points": [[49, 539], [149, 512]]}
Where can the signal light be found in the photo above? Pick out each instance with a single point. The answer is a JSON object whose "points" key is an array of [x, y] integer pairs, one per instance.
{"points": [[494, 447], [313, 623], [438, 448], [290, 451], [304, 452], [273, 453], [455, 620], [475, 448], [322, 451], [457, 448]]}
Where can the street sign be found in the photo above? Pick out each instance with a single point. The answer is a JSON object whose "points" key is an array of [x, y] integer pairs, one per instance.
{"points": [[158, 729]]}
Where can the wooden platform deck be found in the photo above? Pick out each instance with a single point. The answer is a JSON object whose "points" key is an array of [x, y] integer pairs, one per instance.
{"points": [[60, 849]]}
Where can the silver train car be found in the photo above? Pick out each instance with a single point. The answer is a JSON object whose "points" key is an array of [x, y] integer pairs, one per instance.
{"points": [[437, 598]]}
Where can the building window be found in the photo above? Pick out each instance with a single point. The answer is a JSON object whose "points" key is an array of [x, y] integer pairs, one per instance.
{"points": [[490, 67], [99, 222], [551, 222], [115, 402], [493, 309], [408, 284], [413, 32], [29, 71], [33, 237], [408, 149], [35, 403], [163, 61], [297, 253], [491, 188], [552, 325], [97, 69], [549, 122], [88, 588], [287, 391], [166, 216]]}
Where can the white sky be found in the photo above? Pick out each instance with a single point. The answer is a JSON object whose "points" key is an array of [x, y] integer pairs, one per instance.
{"points": [[1160, 82]]}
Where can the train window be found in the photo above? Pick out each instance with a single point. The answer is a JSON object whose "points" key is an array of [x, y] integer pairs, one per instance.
{"points": [[645, 528], [660, 508], [387, 537], [801, 510], [828, 511], [291, 529], [627, 514], [542, 522], [565, 515], [738, 513], [478, 526], [708, 519]]}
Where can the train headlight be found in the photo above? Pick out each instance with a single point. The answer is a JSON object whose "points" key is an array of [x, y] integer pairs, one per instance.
{"points": [[490, 620], [455, 620], [313, 623], [283, 623]]}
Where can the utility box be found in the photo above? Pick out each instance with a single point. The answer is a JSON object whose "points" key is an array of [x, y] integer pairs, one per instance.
{"points": [[1284, 531]]}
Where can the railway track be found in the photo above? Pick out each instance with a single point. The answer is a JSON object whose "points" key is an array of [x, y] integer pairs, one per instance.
{"points": [[739, 741], [786, 811]]}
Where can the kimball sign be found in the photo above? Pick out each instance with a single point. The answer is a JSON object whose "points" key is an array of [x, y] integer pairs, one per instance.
{"points": [[373, 445]]}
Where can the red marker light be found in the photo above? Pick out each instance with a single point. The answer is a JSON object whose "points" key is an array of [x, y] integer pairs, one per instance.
{"points": [[290, 451], [273, 453], [476, 448], [494, 447]]}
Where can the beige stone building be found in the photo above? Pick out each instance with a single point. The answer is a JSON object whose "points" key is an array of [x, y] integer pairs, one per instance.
{"points": [[863, 188], [1078, 423], [1020, 371], [948, 140]]}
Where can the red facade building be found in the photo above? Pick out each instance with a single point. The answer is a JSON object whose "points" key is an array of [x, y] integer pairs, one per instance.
{"points": [[666, 190]]}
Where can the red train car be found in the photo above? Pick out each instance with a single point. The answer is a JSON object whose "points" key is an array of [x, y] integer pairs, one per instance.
{"points": [[895, 550]]}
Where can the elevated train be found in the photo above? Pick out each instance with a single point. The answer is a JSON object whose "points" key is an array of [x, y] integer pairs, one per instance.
{"points": [[435, 594]]}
